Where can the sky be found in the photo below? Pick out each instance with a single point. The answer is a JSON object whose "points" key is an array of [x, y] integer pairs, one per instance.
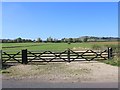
{"points": [[59, 19]]}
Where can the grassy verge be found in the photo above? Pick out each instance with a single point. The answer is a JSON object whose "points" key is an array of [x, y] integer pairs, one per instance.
{"points": [[114, 62]]}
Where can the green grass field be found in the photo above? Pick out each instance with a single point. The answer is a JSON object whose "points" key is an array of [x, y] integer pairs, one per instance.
{"points": [[54, 46], [41, 46]]}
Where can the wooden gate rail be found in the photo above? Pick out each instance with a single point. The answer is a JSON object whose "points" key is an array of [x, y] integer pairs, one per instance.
{"points": [[11, 57], [25, 56]]}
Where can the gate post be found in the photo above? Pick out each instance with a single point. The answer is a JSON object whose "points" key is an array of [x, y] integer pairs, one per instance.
{"points": [[109, 53], [0, 59], [24, 56], [68, 55]]}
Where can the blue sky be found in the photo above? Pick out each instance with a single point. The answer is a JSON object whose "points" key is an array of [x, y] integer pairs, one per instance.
{"points": [[59, 20]]}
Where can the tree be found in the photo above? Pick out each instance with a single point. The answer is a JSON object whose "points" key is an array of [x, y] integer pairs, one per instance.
{"points": [[85, 39], [39, 40], [55, 40], [19, 39], [70, 40], [79, 40], [63, 40], [34, 40], [66, 40], [23, 40], [15, 40], [50, 39], [74, 40]]}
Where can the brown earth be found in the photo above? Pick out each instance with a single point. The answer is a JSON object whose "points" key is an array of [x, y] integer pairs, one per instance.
{"points": [[64, 72]]}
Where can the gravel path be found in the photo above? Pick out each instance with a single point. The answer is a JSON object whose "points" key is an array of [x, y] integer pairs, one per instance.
{"points": [[82, 74], [54, 73]]}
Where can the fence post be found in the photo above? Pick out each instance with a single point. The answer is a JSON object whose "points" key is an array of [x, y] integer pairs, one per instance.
{"points": [[68, 55], [24, 56], [109, 53], [0, 59]]}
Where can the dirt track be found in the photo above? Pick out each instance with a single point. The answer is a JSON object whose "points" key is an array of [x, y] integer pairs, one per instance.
{"points": [[65, 72]]}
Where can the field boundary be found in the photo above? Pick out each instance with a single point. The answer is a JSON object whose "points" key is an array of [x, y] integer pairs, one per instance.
{"points": [[26, 56]]}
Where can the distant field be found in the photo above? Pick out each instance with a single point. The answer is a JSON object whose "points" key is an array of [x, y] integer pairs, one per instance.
{"points": [[105, 43], [53, 46], [43, 46]]}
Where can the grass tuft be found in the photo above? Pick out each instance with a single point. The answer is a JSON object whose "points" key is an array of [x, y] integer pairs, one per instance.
{"points": [[115, 61]]}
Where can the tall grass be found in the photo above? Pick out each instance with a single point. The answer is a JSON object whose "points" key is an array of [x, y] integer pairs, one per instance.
{"points": [[96, 47], [101, 47], [115, 61]]}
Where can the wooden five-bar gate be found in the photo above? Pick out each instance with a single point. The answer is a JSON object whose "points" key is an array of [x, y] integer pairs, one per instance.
{"points": [[26, 56]]}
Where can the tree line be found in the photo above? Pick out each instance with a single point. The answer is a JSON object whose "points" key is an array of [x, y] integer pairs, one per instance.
{"points": [[63, 40]]}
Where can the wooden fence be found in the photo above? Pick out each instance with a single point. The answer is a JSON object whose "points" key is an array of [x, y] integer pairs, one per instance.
{"points": [[26, 56]]}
